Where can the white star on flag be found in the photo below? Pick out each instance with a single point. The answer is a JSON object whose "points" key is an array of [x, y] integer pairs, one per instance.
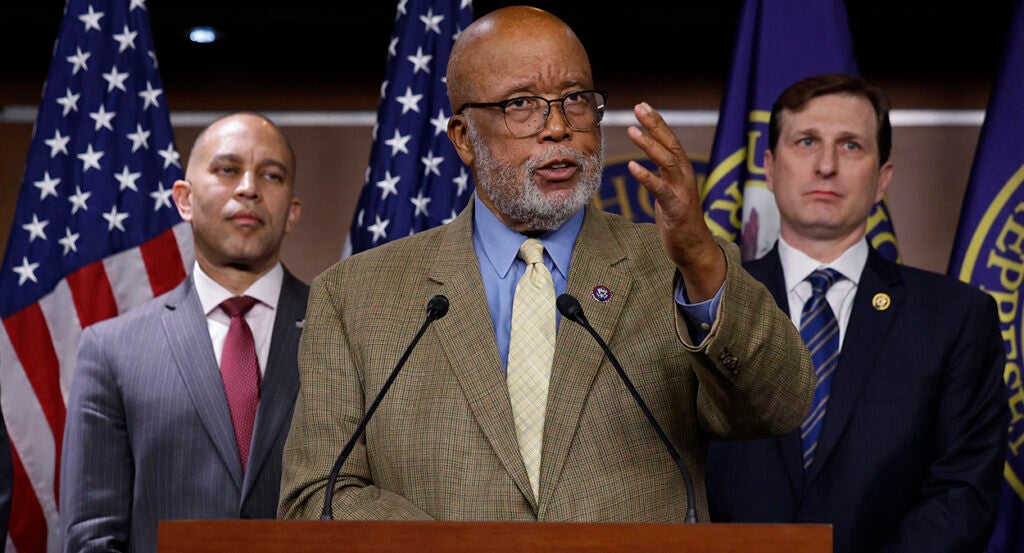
{"points": [[79, 61], [409, 101], [127, 179], [431, 163], [139, 138], [69, 101], [91, 19], [462, 180], [398, 143], [78, 200], [35, 228], [58, 144], [114, 219], [432, 21], [440, 123], [420, 61], [103, 118], [90, 159], [170, 155], [47, 186], [379, 229], [27, 271], [162, 197], [115, 80], [70, 241], [388, 185], [421, 202], [126, 39], [149, 96]]}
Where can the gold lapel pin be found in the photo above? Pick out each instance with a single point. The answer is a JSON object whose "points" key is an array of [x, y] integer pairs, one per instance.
{"points": [[881, 301]]}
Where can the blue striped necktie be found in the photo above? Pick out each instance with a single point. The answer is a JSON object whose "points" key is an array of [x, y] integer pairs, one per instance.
{"points": [[820, 331]]}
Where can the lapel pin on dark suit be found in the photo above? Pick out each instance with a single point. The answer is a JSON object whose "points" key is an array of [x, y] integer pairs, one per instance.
{"points": [[881, 301]]}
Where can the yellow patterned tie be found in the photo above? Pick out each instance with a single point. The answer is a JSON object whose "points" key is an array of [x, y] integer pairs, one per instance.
{"points": [[530, 352]]}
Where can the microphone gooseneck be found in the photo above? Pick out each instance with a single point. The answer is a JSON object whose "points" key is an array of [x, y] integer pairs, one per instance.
{"points": [[437, 308], [571, 309]]}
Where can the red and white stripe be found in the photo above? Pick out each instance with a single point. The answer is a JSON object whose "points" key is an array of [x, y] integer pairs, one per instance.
{"points": [[38, 349]]}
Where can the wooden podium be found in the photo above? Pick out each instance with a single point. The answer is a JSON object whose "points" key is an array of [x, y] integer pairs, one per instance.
{"points": [[266, 536]]}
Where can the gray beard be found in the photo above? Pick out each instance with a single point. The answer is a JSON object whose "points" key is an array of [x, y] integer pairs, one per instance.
{"points": [[524, 203]]}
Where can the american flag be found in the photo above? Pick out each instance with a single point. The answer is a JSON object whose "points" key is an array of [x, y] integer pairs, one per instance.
{"points": [[415, 180], [95, 233]]}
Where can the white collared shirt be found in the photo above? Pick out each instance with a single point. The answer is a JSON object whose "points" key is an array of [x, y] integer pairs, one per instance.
{"points": [[797, 266], [267, 290]]}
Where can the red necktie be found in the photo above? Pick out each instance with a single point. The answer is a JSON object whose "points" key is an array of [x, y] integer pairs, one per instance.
{"points": [[240, 371]]}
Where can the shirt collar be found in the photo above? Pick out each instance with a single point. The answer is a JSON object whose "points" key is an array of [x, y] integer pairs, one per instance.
{"points": [[796, 265], [501, 244], [266, 289]]}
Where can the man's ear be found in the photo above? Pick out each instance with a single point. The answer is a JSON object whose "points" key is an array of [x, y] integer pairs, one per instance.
{"points": [[884, 178], [182, 194], [769, 162], [294, 212], [458, 133]]}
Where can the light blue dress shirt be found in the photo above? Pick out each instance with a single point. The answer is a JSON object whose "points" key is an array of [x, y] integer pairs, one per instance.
{"points": [[497, 251]]}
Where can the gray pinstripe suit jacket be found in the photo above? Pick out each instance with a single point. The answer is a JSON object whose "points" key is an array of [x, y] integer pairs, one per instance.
{"points": [[149, 435], [443, 445]]}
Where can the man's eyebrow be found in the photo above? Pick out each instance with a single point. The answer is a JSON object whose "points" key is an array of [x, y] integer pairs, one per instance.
{"points": [[275, 163], [221, 158]]}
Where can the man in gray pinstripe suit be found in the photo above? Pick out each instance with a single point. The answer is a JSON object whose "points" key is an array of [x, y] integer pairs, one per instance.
{"points": [[150, 434]]}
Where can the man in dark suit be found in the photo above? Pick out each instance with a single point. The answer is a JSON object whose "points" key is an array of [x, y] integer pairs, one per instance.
{"points": [[179, 409], [903, 448], [500, 413]]}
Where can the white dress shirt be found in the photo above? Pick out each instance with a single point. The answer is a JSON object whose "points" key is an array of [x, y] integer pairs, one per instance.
{"points": [[797, 266], [266, 290]]}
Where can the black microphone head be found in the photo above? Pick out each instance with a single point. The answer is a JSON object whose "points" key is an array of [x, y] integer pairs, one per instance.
{"points": [[437, 307], [570, 307]]}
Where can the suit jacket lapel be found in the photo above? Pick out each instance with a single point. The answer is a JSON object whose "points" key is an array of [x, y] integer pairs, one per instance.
{"points": [[577, 355], [280, 380], [467, 336], [865, 332], [768, 270], [185, 328]]}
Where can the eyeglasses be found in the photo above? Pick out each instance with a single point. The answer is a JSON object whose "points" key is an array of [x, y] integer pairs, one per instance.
{"points": [[527, 115]]}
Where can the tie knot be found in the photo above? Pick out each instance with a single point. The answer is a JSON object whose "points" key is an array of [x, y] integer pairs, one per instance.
{"points": [[823, 279], [238, 306], [532, 251]]}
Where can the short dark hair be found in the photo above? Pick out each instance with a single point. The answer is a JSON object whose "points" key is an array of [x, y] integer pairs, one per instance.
{"points": [[796, 97]]}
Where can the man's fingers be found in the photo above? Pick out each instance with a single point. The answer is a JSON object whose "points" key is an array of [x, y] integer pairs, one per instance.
{"points": [[660, 131]]}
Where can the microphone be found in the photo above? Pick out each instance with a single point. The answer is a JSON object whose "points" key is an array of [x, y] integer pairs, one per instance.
{"points": [[571, 309], [437, 308]]}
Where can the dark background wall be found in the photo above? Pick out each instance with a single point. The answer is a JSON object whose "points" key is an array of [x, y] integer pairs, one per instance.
{"points": [[303, 55]]}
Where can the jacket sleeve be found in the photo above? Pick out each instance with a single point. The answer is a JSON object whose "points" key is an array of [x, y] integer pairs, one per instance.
{"points": [[756, 377], [96, 472]]}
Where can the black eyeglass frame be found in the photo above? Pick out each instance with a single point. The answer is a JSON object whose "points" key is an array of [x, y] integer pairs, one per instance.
{"points": [[547, 111]]}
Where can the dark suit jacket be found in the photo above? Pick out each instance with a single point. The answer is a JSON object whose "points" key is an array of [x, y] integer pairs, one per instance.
{"points": [[443, 443], [149, 435], [911, 452]]}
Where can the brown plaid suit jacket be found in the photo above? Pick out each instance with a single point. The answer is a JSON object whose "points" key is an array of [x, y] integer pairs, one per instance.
{"points": [[442, 444]]}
